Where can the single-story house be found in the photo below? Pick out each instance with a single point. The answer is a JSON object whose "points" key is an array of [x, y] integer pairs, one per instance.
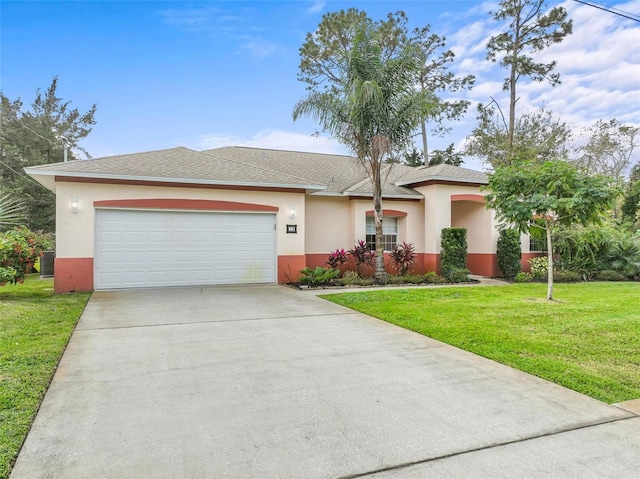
{"points": [[180, 217]]}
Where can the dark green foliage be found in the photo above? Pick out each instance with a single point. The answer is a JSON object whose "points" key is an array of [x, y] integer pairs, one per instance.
{"points": [[34, 138], [453, 256], [623, 255], [631, 205], [318, 276], [567, 276], [447, 156], [509, 253], [609, 275]]}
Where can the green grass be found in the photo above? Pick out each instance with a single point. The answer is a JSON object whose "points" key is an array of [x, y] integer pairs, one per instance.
{"points": [[35, 326], [588, 340]]}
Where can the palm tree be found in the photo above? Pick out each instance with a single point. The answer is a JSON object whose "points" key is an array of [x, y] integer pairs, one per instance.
{"points": [[374, 108], [11, 211]]}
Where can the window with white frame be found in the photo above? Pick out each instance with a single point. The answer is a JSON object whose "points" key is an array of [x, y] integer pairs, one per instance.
{"points": [[389, 233]]}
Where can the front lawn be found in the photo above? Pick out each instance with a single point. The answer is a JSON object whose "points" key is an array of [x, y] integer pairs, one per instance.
{"points": [[35, 326], [588, 340]]}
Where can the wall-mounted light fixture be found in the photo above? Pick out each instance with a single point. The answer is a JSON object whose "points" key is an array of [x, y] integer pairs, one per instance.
{"points": [[292, 212], [75, 206]]}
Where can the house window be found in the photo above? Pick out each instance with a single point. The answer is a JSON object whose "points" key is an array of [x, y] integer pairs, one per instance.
{"points": [[389, 233], [537, 244]]}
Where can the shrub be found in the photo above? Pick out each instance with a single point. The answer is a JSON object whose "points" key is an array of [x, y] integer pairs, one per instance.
{"points": [[539, 267], [624, 255], [509, 253], [318, 276], [458, 275], [566, 276], [433, 278], [18, 251], [362, 255], [523, 277], [337, 258], [406, 279], [609, 275], [403, 257], [349, 277], [453, 257], [352, 278]]}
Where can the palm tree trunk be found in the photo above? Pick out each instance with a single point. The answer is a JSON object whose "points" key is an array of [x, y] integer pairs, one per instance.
{"points": [[380, 273]]}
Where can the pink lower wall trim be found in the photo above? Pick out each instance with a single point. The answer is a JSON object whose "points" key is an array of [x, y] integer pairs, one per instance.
{"points": [[73, 274], [289, 267], [484, 264], [424, 262]]}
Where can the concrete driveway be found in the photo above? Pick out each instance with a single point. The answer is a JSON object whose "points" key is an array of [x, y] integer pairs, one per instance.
{"points": [[265, 381]]}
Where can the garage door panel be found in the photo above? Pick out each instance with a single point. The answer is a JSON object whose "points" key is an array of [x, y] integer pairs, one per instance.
{"points": [[137, 248]]}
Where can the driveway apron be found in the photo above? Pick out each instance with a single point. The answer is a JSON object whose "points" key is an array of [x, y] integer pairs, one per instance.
{"points": [[269, 382]]}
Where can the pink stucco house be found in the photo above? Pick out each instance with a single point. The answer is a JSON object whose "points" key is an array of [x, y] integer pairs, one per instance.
{"points": [[181, 217]]}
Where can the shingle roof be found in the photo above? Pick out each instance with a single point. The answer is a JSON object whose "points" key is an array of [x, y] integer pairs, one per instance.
{"points": [[441, 172], [177, 165], [322, 174]]}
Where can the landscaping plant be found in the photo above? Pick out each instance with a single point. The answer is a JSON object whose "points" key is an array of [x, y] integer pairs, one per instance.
{"points": [[403, 257], [337, 258], [453, 257], [509, 253], [318, 276], [18, 252], [362, 255]]}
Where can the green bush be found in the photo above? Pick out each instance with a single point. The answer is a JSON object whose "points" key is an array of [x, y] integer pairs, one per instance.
{"points": [[453, 256], [318, 276], [509, 253], [458, 275], [566, 276], [539, 267], [351, 278], [609, 275], [523, 277], [624, 254], [433, 278], [19, 250]]}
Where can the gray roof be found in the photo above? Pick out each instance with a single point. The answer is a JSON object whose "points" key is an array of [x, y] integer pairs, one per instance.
{"points": [[341, 174], [177, 165], [320, 174], [442, 172]]}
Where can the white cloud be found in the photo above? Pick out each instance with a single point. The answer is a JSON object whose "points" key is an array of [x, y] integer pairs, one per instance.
{"points": [[257, 47], [599, 66], [316, 7], [274, 139]]}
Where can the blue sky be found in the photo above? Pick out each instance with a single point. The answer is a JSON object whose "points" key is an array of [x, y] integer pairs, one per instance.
{"points": [[209, 74]]}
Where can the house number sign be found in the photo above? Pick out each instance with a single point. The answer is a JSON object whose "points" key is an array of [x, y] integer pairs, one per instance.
{"points": [[292, 229]]}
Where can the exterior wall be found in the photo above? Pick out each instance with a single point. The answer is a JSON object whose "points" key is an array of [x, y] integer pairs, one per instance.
{"points": [[75, 232], [327, 224], [410, 227], [449, 206], [334, 223], [477, 220]]}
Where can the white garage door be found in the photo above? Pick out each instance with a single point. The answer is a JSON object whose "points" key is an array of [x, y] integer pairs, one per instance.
{"points": [[141, 249]]}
